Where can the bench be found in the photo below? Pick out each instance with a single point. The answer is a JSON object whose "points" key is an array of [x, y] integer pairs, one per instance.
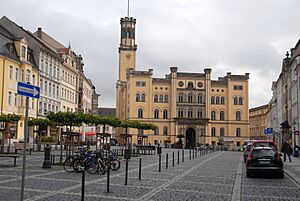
{"points": [[11, 156], [20, 146]]}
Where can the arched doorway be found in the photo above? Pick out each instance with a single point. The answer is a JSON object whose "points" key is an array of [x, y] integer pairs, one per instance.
{"points": [[190, 139]]}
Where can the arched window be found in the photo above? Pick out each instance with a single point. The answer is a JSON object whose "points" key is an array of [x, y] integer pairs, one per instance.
{"points": [[180, 98], [190, 114], [137, 97], [155, 98], [238, 116], [143, 99], [200, 99], [166, 98], [156, 114], [213, 115], [213, 132], [190, 85], [238, 132], [217, 100], [199, 114], [222, 132], [156, 131], [180, 113], [140, 113], [165, 114], [161, 98], [222, 100], [222, 115], [235, 101], [212, 100], [190, 98], [165, 130], [240, 101]]}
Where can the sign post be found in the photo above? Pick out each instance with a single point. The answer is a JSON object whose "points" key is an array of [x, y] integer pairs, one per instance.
{"points": [[33, 92]]}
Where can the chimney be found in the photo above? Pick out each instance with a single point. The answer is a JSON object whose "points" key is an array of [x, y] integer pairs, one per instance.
{"points": [[39, 32]]}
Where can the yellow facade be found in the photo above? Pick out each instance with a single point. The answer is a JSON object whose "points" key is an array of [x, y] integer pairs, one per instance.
{"points": [[14, 68], [259, 121], [204, 111]]}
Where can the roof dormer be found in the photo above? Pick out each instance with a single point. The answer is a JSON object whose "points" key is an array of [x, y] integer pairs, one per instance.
{"points": [[21, 47]]}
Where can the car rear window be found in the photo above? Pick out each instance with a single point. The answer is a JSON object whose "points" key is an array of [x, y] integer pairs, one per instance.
{"points": [[263, 144], [262, 153]]}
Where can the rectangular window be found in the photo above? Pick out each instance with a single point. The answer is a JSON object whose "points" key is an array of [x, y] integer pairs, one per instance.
{"points": [[46, 67], [140, 84], [33, 79], [42, 65], [45, 87], [50, 89], [9, 97], [28, 75], [57, 92], [22, 101], [22, 75], [50, 69], [17, 74], [41, 85], [16, 100], [23, 51], [237, 87], [10, 72], [32, 103]]}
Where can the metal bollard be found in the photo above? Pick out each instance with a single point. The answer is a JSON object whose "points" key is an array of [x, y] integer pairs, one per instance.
{"points": [[182, 155], [173, 159], [108, 177], [159, 162], [126, 172], [190, 154], [82, 184], [178, 157], [140, 169], [167, 161], [193, 153]]}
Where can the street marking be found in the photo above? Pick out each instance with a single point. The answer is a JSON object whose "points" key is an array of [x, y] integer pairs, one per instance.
{"points": [[292, 177], [148, 195], [236, 192]]}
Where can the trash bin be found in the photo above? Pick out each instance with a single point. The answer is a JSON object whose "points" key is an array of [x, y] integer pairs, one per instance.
{"points": [[296, 151]]}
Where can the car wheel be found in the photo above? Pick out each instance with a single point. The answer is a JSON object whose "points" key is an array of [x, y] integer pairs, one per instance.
{"points": [[248, 174], [281, 175]]}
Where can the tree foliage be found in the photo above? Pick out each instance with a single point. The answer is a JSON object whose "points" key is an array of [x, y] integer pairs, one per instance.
{"points": [[9, 117], [39, 122]]}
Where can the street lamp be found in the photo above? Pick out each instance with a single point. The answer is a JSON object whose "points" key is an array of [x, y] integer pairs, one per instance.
{"points": [[295, 133]]}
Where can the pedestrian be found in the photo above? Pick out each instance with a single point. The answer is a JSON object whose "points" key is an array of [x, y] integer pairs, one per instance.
{"points": [[287, 150]]}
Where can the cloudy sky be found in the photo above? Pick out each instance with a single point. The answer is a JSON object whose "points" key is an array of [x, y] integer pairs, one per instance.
{"points": [[235, 36]]}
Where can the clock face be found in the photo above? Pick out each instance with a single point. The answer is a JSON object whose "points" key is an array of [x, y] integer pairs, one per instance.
{"points": [[128, 55], [200, 84], [180, 84]]}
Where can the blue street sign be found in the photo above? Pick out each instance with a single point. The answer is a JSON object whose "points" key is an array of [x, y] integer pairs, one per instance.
{"points": [[28, 90], [265, 131], [269, 130]]}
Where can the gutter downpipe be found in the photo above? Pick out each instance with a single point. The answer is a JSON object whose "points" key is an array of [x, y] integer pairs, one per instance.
{"points": [[3, 85]]}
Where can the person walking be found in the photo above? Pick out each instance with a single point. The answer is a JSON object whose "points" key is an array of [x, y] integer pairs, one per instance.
{"points": [[287, 150]]}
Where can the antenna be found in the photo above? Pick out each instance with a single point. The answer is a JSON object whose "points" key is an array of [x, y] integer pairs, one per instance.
{"points": [[128, 9]]}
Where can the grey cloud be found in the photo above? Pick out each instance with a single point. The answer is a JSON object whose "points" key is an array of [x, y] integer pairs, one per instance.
{"points": [[237, 36]]}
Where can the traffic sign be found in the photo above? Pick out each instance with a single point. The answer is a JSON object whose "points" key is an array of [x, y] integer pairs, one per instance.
{"points": [[270, 130], [28, 90]]}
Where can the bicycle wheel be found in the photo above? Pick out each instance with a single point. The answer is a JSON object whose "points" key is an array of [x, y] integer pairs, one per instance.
{"points": [[101, 166], [115, 164], [91, 166], [68, 164], [77, 165]]}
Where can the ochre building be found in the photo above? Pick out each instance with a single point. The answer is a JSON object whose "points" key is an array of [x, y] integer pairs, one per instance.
{"points": [[192, 105]]}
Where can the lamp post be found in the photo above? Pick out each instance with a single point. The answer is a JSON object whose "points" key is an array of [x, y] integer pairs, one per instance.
{"points": [[294, 127]]}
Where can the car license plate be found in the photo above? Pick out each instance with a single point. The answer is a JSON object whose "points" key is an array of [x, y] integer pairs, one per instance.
{"points": [[264, 162]]}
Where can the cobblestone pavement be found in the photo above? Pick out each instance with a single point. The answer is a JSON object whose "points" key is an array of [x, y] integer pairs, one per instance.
{"points": [[213, 176]]}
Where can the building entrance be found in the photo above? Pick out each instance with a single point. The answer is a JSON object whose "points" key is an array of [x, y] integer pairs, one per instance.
{"points": [[190, 139]]}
